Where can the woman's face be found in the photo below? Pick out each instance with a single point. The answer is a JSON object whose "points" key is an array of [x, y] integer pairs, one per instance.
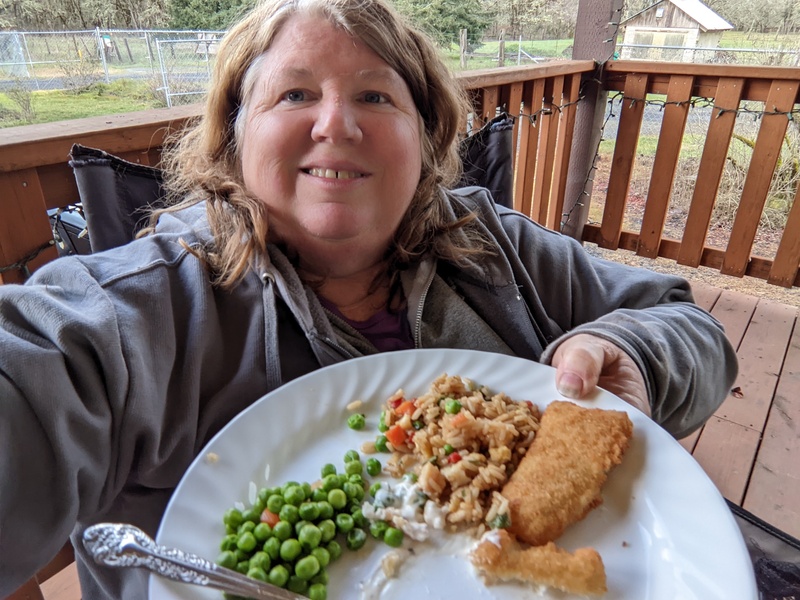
{"points": [[331, 144]]}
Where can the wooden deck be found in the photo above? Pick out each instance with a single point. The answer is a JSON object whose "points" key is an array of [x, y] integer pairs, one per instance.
{"points": [[749, 448]]}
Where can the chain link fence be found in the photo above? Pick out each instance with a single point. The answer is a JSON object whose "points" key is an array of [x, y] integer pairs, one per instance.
{"points": [[177, 62], [779, 57]]}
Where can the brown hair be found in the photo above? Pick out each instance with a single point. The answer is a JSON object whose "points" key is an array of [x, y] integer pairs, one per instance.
{"points": [[202, 163]]}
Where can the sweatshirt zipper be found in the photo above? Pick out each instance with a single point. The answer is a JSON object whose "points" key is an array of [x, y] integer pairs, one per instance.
{"points": [[420, 307]]}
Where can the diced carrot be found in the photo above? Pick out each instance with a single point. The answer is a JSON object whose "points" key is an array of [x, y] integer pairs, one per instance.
{"points": [[269, 517], [459, 420], [396, 435], [406, 408]]}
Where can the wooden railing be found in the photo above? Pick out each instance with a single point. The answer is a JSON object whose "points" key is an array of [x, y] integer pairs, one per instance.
{"points": [[35, 176], [727, 87]]}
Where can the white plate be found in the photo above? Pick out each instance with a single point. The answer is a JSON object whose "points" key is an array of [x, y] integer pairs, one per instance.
{"points": [[663, 530]]}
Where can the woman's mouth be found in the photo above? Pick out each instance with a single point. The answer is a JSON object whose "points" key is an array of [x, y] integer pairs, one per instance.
{"points": [[331, 174]]}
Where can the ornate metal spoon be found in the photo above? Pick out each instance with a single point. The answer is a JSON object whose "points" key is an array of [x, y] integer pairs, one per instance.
{"points": [[122, 545]]}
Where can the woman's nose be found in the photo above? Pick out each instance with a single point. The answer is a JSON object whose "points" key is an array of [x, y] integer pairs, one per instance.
{"points": [[336, 121]]}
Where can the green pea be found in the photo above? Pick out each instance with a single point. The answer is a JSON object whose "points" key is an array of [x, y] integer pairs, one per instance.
{"points": [[344, 522], [382, 426], [289, 513], [373, 467], [227, 559], [380, 444], [306, 489], [328, 469], [287, 485], [448, 449], [310, 536], [256, 573], [357, 478], [299, 525], [232, 517], [373, 489], [273, 548], [331, 482], [242, 555], [309, 511], [393, 537], [318, 591], [334, 548], [296, 584], [356, 421], [452, 406], [351, 455], [246, 542], [275, 503], [354, 467], [290, 549], [337, 499], [306, 567], [321, 577], [319, 495], [294, 495], [355, 492], [322, 555], [246, 526], [251, 514], [359, 519], [243, 567], [263, 495], [378, 529], [279, 575], [417, 425], [343, 478], [261, 560], [356, 539], [262, 531], [325, 509], [229, 542], [282, 530], [327, 529]]}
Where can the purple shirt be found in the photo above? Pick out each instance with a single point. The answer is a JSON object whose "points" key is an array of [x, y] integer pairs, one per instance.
{"points": [[386, 330]]}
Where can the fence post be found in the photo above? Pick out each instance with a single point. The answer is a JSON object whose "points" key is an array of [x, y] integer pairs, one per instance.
{"points": [[519, 51], [462, 43], [501, 50], [31, 72], [101, 49], [163, 74], [596, 31]]}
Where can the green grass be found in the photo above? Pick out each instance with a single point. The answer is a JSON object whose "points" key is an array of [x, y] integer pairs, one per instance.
{"points": [[99, 99], [742, 39]]}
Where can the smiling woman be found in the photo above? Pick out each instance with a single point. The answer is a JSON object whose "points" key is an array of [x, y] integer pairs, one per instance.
{"points": [[310, 221]]}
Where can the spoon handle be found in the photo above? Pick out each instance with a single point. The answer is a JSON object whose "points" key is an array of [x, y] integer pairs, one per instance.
{"points": [[123, 545]]}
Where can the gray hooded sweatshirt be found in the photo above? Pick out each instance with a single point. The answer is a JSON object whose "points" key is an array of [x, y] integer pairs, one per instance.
{"points": [[117, 368]]}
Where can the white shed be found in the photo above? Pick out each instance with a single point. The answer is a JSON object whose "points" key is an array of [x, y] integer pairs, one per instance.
{"points": [[671, 25]]}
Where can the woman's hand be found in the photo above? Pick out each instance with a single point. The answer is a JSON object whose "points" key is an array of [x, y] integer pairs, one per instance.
{"points": [[585, 361]]}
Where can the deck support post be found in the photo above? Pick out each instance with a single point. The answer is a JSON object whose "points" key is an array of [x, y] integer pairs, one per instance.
{"points": [[595, 39]]}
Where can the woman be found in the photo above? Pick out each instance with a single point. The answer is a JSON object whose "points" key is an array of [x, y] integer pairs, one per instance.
{"points": [[311, 225]]}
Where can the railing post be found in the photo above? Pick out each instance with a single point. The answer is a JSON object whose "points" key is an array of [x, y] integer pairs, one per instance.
{"points": [[595, 39]]}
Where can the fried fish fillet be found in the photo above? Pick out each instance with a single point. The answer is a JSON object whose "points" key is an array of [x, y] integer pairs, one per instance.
{"points": [[498, 556], [558, 481]]}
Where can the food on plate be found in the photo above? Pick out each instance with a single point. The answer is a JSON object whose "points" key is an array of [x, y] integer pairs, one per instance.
{"points": [[291, 533], [500, 557], [460, 443], [559, 480]]}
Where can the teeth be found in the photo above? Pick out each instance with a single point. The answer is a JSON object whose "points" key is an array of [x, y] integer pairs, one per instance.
{"points": [[331, 174]]}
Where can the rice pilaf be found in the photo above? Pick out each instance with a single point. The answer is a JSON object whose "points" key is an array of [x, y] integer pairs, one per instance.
{"points": [[462, 442]]}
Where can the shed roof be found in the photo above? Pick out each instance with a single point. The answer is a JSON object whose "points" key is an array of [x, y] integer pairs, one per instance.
{"points": [[705, 17]]}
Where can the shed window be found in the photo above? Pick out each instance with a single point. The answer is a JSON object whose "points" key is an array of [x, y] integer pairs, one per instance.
{"points": [[659, 12]]}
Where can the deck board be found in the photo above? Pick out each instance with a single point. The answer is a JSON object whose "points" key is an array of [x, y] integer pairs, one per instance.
{"points": [[750, 447]]}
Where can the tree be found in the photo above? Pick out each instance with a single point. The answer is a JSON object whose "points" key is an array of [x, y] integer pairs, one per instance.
{"points": [[444, 19], [215, 15]]}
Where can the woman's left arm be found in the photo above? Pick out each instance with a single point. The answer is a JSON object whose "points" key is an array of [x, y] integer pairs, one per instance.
{"points": [[635, 332]]}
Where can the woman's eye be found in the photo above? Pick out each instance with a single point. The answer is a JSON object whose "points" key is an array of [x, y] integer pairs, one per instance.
{"points": [[374, 98], [295, 96]]}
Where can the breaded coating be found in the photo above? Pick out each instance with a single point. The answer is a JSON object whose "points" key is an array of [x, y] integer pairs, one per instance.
{"points": [[498, 556], [558, 481]]}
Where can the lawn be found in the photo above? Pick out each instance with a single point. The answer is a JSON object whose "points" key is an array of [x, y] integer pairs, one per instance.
{"points": [[99, 99]]}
